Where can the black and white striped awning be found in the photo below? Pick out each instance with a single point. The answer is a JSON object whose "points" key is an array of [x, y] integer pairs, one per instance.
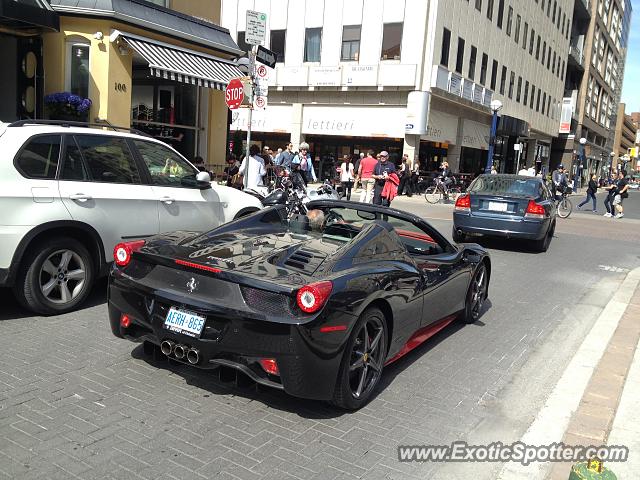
{"points": [[183, 65]]}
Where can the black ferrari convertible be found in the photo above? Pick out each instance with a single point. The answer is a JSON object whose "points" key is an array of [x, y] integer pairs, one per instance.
{"points": [[315, 304]]}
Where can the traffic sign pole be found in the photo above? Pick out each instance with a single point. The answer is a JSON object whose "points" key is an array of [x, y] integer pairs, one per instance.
{"points": [[252, 68], [255, 33]]}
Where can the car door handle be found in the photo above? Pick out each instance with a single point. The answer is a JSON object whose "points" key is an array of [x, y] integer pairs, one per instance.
{"points": [[81, 197], [167, 200]]}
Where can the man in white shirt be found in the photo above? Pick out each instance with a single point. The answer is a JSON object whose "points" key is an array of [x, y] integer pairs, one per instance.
{"points": [[254, 169]]}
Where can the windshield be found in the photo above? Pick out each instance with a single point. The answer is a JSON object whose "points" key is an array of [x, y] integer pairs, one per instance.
{"points": [[498, 185]]}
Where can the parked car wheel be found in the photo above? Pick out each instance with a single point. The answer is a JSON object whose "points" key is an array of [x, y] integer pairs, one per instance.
{"points": [[476, 295], [363, 361], [542, 245], [55, 276]]}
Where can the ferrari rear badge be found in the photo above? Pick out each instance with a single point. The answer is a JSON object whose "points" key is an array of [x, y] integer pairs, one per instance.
{"points": [[192, 284]]}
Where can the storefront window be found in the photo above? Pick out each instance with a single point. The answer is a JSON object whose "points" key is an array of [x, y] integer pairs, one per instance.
{"points": [[166, 110], [77, 80]]}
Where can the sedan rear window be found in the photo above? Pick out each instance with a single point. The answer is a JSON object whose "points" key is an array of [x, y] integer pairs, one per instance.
{"points": [[498, 185], [39, 158]]}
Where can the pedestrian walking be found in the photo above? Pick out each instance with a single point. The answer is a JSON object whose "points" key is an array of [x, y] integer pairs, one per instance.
{"points": [[622, 187], [608, 202], [404, 174], [365, 177], [380, 174], [347, 175], [253, 168], [415, 175], [592, 189]]}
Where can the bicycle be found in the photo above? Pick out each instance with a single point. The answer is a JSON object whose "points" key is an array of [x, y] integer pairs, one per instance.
{"points": [[435, 193], [564, 207]]}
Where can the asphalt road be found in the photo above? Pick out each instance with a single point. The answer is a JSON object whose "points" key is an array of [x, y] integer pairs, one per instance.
{"points": [[76, 402]]}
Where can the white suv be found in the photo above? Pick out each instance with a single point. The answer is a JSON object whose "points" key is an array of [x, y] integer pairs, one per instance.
{"points": [[69, 194]]}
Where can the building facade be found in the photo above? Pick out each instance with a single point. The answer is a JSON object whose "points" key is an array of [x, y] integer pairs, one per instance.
{"points": [[22, 25], [411, 76], [594, 89], [624, 140], [159, 67]]}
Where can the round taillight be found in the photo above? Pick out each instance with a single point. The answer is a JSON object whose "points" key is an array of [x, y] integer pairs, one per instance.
{"points": [[123, 251], [122, 254], [312, 297]]}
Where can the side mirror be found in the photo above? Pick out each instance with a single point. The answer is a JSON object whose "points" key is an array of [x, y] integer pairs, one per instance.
{"points": [[203, 180], [203, 177]]}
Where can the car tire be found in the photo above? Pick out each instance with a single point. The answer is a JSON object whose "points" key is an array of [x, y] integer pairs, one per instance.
{"points": [[458, 237], [55, 276], [356, 386], [476, 295], [542, 245]]}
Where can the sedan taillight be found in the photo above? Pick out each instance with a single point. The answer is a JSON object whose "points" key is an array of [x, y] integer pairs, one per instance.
{"points": [[534, 210], [463, 203], [123, 251]]}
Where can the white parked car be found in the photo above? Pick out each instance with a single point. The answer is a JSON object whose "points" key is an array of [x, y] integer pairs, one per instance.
{"points": [[69, 194]]}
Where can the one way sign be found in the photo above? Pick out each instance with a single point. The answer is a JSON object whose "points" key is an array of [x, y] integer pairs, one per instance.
{"points": [[266, 57]]}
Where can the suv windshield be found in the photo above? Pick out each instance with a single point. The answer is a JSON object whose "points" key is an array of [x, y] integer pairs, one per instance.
{"points": [[499, 185]]}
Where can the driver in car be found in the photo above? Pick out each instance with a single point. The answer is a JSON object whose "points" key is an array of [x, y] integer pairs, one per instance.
{"points": [[316, 220]]}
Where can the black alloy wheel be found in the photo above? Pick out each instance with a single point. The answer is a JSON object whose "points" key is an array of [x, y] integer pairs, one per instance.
{"points": [[476, 295], [363, 361]]}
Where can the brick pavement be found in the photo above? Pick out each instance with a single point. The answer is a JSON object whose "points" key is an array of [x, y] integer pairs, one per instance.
{"points": [[75, 402]]}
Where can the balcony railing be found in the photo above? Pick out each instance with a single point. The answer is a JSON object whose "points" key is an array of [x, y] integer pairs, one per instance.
{"points": [[459, 86], [577, 54]]}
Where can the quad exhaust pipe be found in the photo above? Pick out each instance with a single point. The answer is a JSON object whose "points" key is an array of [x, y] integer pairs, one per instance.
{"points": [[180, 352], [167, 347], [193, 356]]}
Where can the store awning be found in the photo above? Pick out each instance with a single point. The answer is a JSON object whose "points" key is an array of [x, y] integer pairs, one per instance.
{"points": [[27, 15], [181, 64]]}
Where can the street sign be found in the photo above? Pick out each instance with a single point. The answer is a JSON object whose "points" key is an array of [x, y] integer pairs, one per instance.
{"points": [[266, 56], [260, 103], [234, 94], [262, 81], [256, 28]]}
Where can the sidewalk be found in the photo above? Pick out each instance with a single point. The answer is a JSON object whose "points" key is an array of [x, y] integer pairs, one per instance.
{"points": [[596, 400]]}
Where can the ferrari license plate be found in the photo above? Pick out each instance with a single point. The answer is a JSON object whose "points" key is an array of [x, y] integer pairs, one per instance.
{"points": [[498, 206], [185, 322]]}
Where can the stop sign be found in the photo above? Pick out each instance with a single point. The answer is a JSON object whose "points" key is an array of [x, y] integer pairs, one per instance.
{"points": [[234, 93]]}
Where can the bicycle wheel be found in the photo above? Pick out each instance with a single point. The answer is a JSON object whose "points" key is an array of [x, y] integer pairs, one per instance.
{"points": [[433, 195], [564, 208]]}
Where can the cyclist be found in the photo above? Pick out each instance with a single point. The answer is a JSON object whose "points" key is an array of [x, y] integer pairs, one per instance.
{"points": [[446, 177], [560, 182]]}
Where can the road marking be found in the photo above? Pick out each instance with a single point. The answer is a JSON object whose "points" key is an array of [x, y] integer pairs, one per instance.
{"points": [[553, 419], [609, 268]]}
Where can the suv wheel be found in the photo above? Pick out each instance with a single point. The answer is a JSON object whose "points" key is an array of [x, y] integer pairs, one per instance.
{"points": [[55, 277]]}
